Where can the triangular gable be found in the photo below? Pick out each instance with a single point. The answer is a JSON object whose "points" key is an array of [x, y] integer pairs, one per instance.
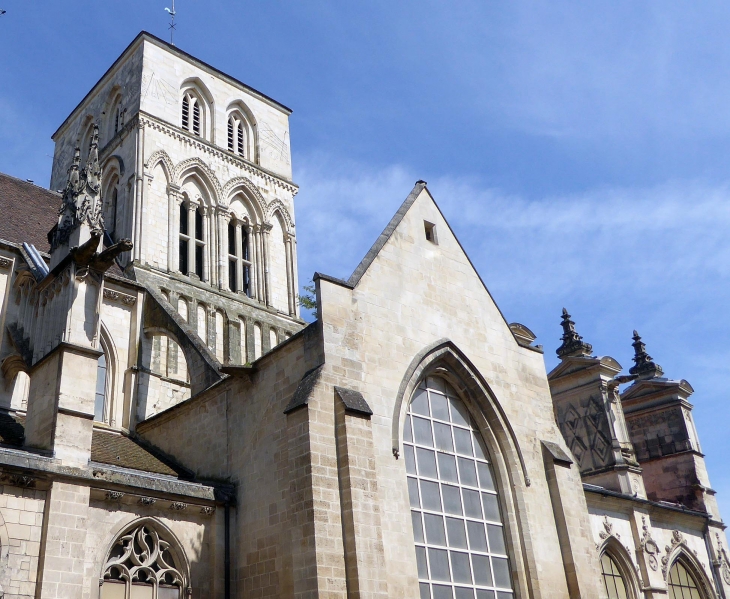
{"points": [[387, 233]]}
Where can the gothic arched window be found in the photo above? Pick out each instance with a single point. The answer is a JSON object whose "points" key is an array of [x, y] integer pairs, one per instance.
{"points": [[238, 262], [682, 584], [100, 400], [613, 579], [237, 134], [192, 116], [142, 564], [457, 523]]}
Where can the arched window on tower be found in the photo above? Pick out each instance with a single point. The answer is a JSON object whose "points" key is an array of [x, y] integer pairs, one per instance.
{"points": [[144, 563], [192, 116], [238, 262], [238, 134], [682, 584], [457, 522], [199, 243]]}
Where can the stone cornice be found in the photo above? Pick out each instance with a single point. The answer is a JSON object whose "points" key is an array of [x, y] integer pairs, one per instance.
{"points": [[206, 147]]}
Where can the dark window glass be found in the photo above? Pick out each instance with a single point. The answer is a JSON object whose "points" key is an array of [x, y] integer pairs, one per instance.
{"points": [[241, 149], [186, 113], [230, 134], [196, 118], [232, 275], [199, 261], [183, 219], [244, 244], [232, 239], [198, 225], [183, 257]]}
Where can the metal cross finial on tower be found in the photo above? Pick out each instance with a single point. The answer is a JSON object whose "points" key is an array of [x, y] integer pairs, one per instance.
{"points": [[172, 21]]}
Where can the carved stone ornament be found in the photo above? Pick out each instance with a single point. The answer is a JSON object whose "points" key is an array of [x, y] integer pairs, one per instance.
{"points": [[141, 556], [147, 500], [607, 530], [5, 263], [19, 480], [81, 198], [722, 560], [207, 510], [677, 539], [573, 344], [644, 365], [116, 296], [649, 546], [114, 495], [178, 506]]}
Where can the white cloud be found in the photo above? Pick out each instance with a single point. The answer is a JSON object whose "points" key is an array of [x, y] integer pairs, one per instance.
{"points": [[655, 258]]}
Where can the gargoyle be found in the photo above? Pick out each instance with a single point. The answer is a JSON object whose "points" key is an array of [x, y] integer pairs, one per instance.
{"points": [[84, 253], [102, 261]]}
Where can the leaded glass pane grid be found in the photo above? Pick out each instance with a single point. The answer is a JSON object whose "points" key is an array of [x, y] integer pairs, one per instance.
{"points": [[612, 578], [457, 525], [682, 584]]}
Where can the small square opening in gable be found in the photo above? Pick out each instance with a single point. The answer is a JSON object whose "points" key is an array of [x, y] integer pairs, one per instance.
{"points": [[430, 230]]}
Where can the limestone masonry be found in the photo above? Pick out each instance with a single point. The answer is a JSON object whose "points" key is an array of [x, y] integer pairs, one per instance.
{"points": [[170, 428]]}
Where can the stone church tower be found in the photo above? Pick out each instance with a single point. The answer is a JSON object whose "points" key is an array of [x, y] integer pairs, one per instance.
{"points": [[171, 429]]}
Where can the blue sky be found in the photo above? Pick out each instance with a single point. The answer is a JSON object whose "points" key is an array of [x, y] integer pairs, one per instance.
{"points": [[579, 150]]}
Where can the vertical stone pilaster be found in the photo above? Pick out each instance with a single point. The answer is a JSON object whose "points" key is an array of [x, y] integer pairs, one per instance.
{"points": [[359, 500], [138, 192], [224, 218], [61, 563], [173, 222], [266, 264]]}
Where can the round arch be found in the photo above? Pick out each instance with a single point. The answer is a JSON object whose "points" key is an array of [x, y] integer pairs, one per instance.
{"points": [[617, 552], [129, 524], [443, 359]]}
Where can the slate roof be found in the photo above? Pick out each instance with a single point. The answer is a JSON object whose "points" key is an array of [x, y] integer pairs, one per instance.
{"points": [[28, 212], [107, 447]]}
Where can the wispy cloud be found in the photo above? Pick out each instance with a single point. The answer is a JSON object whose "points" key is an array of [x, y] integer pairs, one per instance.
{"points": [[655, 258]]}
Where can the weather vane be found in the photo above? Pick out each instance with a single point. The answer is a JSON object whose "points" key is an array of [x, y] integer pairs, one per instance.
{"points": [[172, 21]]}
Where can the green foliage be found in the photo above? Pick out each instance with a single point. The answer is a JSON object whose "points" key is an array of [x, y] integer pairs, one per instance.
{"points": [[308, 301]]}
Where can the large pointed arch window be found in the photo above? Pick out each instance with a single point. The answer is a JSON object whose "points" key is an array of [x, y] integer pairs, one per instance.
{"points": [[457, 523], [613, 580], [142, 565], [682, 583]]}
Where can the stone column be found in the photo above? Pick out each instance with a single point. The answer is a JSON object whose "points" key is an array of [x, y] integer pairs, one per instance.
{"points": [[191, 235], [258, 263], [238, 241], [208, 227], [224, 218], [295, 274], [267, 261], [289, 275], [138, 192], [173, 224]]}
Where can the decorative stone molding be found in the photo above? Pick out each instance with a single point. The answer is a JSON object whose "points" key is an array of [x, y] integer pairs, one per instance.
{"points": [[178, 506], [19, 480], [164, 158], [677, 539], [607, 530], [722, 560], [116, 296], [232, 184], [114, 495], [147, 501], [278, 205], [5, 263], [204, 147], [207, 510], [649, 546]]}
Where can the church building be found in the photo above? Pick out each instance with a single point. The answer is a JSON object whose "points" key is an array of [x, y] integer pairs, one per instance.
{"points": [[171, 428]]}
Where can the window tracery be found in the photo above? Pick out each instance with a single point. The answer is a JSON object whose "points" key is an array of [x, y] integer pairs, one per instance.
{"points": [[141, 565], [681, 583], [613, 580], [238, 134], [456, 518]]}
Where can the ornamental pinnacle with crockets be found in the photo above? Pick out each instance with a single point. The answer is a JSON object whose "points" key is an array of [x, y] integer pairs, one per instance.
{"points": [[644, 366], [573, 344]]}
